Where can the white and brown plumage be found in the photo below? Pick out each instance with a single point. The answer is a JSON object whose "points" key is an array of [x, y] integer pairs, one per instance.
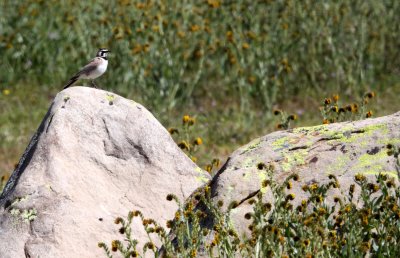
{"points": [[92, 70]]}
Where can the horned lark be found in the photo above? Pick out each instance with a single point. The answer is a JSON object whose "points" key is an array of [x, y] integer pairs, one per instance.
{"points": [[92, 70]]}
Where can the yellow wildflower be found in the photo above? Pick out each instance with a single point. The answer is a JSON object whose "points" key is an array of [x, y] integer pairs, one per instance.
{"points": [[140, 5], [114, 245], [137, 49], [185, 119], [291, 196], [184, 145], [6, 92], [155, 28], [335, 97], [173, 130], [251, 79], [181, 34], [198, 141], [214, 3], [313, 187], [370, 95], [146, 47], [229, 36], [354, 108], [192, 120], [195, 28], [251, 35]]}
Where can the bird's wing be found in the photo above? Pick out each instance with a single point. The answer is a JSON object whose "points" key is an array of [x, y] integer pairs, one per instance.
{"points": [[87, 69]]}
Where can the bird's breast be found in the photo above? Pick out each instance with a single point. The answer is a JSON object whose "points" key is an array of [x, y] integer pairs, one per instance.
{"points": [[100, 69]]}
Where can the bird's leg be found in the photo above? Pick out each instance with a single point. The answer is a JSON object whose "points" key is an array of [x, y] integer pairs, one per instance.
{"points": [[93, 84]]}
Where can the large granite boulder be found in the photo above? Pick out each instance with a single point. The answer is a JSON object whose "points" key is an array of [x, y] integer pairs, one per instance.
{"points": [[340, 149], [95, 156]]}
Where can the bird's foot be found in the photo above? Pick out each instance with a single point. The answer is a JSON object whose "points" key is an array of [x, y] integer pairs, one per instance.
{"points": [[93, 84]]}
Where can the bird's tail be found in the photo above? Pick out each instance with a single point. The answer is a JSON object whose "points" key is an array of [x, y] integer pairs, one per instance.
{"points": [[71, 81]]}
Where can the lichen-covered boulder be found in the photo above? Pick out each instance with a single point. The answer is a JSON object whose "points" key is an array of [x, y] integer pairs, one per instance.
{"points": [[340, 149], [95, 156]]}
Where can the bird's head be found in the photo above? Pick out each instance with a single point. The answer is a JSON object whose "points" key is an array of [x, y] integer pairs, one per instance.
{"points": [[103, 53]]}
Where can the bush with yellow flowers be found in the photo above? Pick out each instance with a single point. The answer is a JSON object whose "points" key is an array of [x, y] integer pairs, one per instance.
{"points": [[183, 137], [333, 111], [285, 119], [190, 144]]}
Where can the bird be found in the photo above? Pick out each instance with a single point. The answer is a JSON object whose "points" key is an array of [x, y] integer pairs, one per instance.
{"points": [[93, 69]]}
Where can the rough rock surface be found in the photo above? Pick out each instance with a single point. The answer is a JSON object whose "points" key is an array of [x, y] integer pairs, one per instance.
{"points": [[341, 149], [95, 156]]}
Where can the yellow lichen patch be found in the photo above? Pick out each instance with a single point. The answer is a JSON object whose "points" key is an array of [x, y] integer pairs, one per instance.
{"points": [[29, 215], [345, 135], [389, 173], [201, 177], [251, 146], [293, 159], [311, 130], [25, 215], [294, 140], [372, 128], [368, 131], [110, 98], [20, 199], [251, 168], [343, 132], [364, 142], [371, 164], [248, 163], [387, 140], [262, 175], [338, 165], [280, 143], [368, 160], [287, 142]]}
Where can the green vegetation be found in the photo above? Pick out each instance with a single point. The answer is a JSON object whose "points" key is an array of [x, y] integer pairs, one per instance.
{"points": [[345, 226], [191, 145], [164, 51]]}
